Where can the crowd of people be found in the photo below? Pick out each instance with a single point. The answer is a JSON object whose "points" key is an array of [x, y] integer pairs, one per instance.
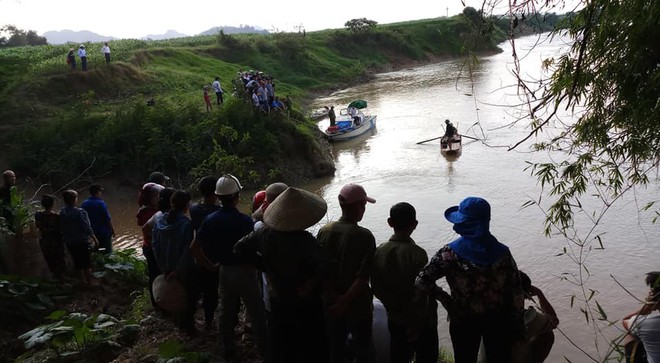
{"points": [[82, 54], [311, 298], [254, 87]]}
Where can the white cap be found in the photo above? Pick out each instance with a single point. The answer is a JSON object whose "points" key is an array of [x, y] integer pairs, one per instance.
{"points": [[227, 185]]}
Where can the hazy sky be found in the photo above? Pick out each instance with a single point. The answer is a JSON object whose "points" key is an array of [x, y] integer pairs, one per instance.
{"points": [[137, 18]]}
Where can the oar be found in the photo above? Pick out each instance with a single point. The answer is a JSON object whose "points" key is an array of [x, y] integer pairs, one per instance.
{"points": [[435, 138], [470, 137]]}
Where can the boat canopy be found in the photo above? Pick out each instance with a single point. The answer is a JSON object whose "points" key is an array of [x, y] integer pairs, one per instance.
{"points": [[359, 104]]}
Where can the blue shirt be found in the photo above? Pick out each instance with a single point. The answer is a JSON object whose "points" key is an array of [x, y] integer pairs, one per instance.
{"points": [[171, 243], [99, 216], [75, 226], [219, 233], [199, 211]]}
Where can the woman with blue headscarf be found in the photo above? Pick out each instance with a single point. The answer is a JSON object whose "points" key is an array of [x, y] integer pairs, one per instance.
{"points": [[486, 300]]}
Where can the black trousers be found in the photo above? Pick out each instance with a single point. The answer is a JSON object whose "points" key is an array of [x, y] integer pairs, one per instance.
{"points": [[360, 344], [219, 96], [208, 284], [83, 61], [424, 348], [152, 270], [297, 332], [496, 330]]}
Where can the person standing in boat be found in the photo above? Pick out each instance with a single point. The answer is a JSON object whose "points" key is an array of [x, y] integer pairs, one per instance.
{"points": [[332, 115], [450, 130]]}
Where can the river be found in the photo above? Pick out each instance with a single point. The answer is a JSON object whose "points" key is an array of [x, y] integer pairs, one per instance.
{"points": [[412, 105]]}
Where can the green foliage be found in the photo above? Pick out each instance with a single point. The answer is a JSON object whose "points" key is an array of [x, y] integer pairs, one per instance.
{"points": [[360, 25], [20, 212], [22, 297], [70, 332], [173, 351], [122, 263], [613, 76]]}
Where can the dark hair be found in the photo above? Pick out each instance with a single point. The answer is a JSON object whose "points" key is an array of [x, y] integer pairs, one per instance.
{"points": [[228, 200], [69, 196], [47, 201], [95, 189], [180, 200], [217, 78], [164, 199], [402, 215], [207, 185], [653, 280]]}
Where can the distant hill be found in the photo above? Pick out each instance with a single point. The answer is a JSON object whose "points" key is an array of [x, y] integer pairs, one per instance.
{"points": [[234, 30], [168, 35], [64, 36]]}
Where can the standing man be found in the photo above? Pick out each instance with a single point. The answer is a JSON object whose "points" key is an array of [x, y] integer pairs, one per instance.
{"points": [[218, 90], [332, 115], [82, 53], [411, 314], [350, 249], [99, 217], [105, 49], [214, 245]]}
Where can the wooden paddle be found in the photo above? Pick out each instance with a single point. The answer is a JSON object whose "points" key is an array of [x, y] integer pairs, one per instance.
{"points": [[470, 137], [435, 138]]}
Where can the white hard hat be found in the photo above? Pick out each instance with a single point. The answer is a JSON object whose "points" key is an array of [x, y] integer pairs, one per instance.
{"points": [[227, 185]]}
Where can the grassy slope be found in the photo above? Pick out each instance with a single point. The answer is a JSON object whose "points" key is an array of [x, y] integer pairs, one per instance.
{"points": [[39, 93]]}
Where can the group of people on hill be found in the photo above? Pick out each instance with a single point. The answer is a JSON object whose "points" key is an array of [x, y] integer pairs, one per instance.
{"points": [[259, 89], [82, 54], [311, 298], [255, 86]]}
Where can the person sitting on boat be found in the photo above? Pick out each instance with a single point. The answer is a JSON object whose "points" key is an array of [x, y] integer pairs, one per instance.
{"points": [[450, 131]]}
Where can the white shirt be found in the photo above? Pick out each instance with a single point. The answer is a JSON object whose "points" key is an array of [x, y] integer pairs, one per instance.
{"points": [[82, 52], [105, 49], [255, 99], [647, 329], [216, 86]]}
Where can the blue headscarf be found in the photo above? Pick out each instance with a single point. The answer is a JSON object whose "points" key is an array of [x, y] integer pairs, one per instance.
{"points": [[472, 221]]}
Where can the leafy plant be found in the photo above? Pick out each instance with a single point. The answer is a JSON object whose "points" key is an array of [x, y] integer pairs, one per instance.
{"points": [[70, 333], [173, 351], [21, 212], [20, 297], [122, 263]]}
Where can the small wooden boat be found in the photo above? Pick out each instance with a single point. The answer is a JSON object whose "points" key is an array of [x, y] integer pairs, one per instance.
{"points": [[319, 113], [451, 147], [351, 122]]}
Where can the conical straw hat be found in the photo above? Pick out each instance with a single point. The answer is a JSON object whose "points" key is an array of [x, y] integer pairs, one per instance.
{"points": [[295, 210], [169, 294]]}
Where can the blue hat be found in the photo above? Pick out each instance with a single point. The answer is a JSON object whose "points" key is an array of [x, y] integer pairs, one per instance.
{"points": [[471, 209]]}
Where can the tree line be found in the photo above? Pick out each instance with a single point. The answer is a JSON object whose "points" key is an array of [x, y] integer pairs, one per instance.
{"points": [[15, 37]]}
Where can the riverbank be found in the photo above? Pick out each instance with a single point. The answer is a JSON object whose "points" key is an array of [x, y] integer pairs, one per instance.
{"points": [[59, 123]]}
